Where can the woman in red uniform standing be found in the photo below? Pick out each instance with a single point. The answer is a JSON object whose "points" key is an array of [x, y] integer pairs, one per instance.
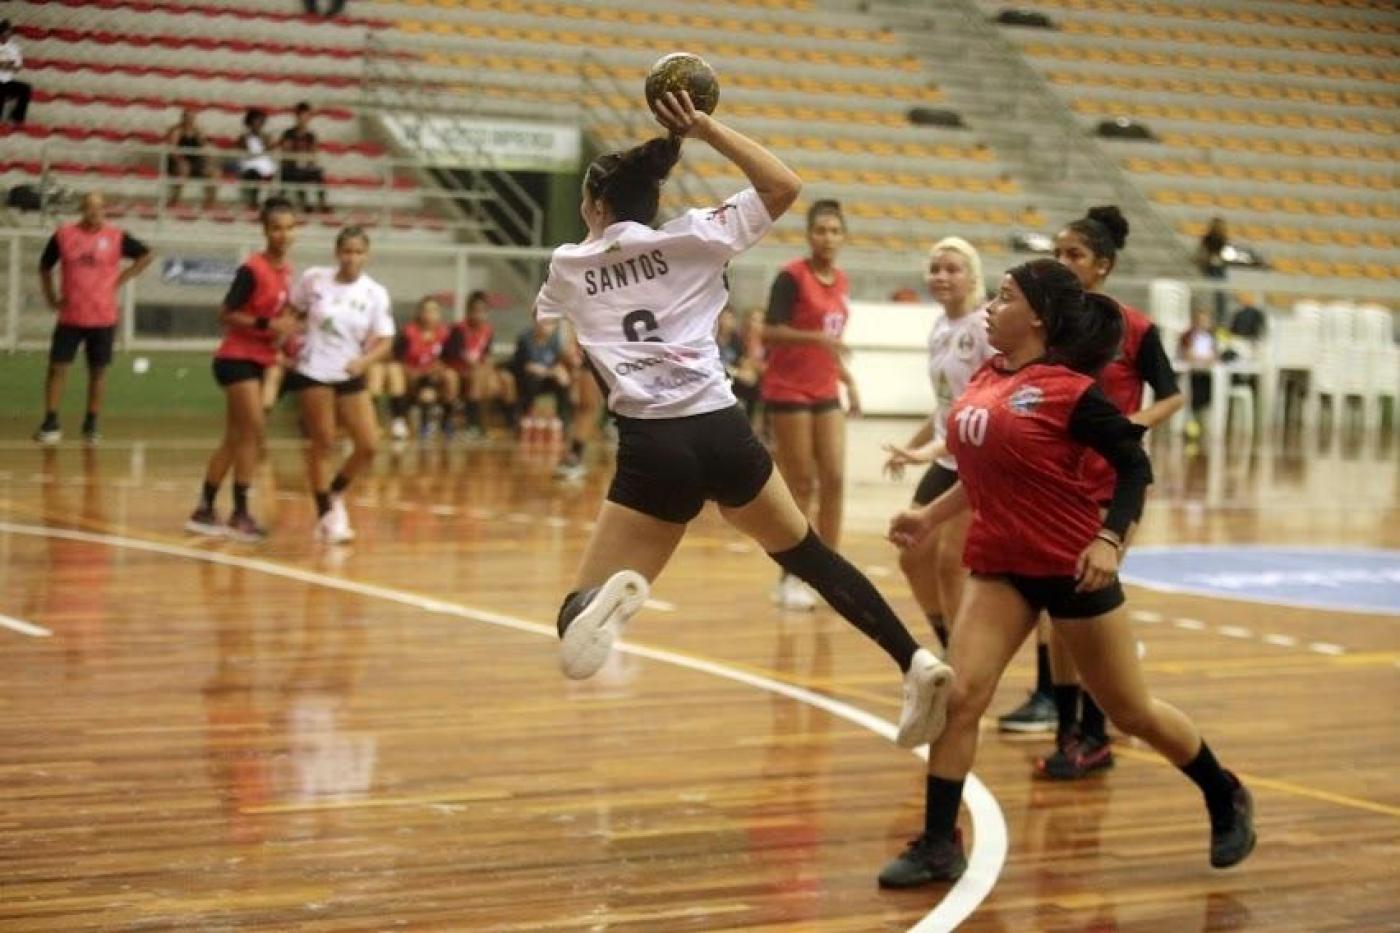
{"points": [[806, 317], [1039, 541], [253, 325], [1089, 247]]}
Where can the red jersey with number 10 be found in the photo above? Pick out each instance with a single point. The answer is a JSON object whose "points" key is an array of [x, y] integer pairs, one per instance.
{"points": [[423, 347], [1121, 381], [808, 372], [1009, 431], [271, 285]]}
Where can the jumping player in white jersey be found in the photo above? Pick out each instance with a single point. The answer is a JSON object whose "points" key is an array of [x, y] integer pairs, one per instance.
{"points": [[349, 327], [644, 303]]}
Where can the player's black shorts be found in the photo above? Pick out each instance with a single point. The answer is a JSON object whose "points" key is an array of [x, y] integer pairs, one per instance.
{"points": [[668, 467], [295, 382], [937, 480], [228, 372], [820, 407], [1056, 595], [97, 343]]}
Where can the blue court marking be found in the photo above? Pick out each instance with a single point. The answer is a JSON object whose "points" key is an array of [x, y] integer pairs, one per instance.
{"points": [[1344, 579]]}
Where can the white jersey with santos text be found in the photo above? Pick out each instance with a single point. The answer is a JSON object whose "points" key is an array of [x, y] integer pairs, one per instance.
{"points": [[644, 304], [341, 319], [957, 348]]}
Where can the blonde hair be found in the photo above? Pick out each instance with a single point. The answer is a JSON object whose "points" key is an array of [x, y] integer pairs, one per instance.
{"points": [[968, 252]]}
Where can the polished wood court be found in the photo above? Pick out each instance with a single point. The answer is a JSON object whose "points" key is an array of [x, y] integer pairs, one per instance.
{"points": [[207, 736]]}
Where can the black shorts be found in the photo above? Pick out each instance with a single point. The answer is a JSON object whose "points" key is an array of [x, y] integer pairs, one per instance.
{"points": [[1056, 595], [97, 343], [228, 372], [813, 408], [667, 468], [937, 480], [295, 382]]}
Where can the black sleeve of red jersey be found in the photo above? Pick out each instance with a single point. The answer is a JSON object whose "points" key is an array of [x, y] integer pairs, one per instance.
{"points": [[1097, 423], [781, 299], [51, 255], [1155, 367], [240, 290], [133, 248]]}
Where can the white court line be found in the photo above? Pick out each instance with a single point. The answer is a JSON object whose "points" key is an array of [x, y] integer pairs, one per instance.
{"points": [[24, 628], [1235, 631], [1144, 615], [1191, 625], [660, 605], [989, 835], [1281, 641], [1322, 647]]}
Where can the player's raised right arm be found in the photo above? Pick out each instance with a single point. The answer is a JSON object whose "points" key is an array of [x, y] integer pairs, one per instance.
{"points": [[777, 185]]}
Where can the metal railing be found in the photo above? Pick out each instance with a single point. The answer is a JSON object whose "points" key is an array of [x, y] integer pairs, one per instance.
{"points": [[391, 85]]}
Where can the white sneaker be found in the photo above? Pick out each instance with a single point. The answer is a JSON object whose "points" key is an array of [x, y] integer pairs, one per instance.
{"points": [[334, 526], [588, 638], [926, 688], [792, 595], [398, 429]]}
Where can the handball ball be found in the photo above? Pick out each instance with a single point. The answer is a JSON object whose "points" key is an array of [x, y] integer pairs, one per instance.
{"points": [[681, 71]]}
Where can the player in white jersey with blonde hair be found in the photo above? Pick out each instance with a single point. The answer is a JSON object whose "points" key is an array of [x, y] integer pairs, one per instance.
{"points": [[957, 348], [643, 302], [349, 327]]}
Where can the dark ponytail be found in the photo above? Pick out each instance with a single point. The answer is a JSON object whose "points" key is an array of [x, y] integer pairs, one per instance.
{"points": [[629, 182], [1083, 330], [1104, 229]]}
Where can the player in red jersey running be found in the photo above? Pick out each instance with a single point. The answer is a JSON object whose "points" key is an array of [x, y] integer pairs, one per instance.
{"points": [[254, 323], [1038, 541], [1089, 248], [801, 386]]}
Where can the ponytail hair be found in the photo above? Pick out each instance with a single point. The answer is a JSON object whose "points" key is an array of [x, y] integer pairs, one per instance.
{"points": [[1083, 330], [629, 182], [1104, 229]]}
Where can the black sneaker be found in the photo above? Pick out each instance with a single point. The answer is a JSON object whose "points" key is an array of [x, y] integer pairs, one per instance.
{"points": [[242, 527], [92, 437], [204, 521], [926, 861], [48, 435], [1076, 757], [1037, 714], [1230, 845]]}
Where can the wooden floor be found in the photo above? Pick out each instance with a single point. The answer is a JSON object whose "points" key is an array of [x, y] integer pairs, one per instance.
{"points": [[205, 736]]}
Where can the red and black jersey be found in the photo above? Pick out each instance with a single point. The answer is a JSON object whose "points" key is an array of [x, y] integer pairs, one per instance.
{"points": [[1141, 361], [259, 288], [468, 345], [420, 347], [805, 372], [1019, 437]]}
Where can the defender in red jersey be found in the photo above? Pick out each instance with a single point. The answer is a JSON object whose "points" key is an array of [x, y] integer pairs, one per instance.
{"points": [[254, 325], [801, 385], [1037, 543], [90, 253], [1089, 248]]}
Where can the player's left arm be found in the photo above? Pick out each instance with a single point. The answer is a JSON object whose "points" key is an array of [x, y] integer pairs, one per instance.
{"points": [[1098, 424], [140, 255], [1155, 368]]}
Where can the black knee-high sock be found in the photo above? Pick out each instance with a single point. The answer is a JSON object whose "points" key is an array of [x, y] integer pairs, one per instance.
{"points": [[1217, 785], [1043, 682], [1091, 719], [1067, 697], [940, 628], [941, 799], [240, 498], [323, 503], [207, 495], [850, 594], [339, 484]]}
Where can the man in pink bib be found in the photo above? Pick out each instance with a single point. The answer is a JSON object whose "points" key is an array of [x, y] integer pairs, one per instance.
{"points": [[91, 254]]}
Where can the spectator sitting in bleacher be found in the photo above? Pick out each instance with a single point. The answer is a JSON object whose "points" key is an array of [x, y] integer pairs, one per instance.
{"points": [[256, 165], [1248, 322], [189, 159], [11, 61], [301, 168], [468, 352]]}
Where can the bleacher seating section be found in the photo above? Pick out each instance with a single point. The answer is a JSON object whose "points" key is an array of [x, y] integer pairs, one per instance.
{"points": [[1278, 116]]}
